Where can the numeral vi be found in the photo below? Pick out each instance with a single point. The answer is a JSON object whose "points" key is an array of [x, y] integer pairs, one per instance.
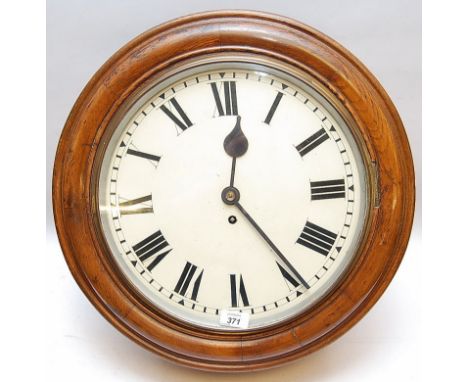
{"points": [[238, 292]]}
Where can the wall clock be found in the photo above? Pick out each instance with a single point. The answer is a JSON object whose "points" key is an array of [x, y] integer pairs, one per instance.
{"points": [[233, 190]]}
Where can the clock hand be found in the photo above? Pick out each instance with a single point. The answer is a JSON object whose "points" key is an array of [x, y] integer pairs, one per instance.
{"points": [[235, 145], [270, 243]]}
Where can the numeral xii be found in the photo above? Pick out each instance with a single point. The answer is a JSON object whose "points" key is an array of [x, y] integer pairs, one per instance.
{"points": [[229, 97]]}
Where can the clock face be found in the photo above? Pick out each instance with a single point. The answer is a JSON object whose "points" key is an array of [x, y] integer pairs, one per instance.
{"points": [[232, 195]]}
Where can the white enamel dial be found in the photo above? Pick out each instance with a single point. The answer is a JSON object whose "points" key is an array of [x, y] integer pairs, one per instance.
{"points": [[295, 226]]}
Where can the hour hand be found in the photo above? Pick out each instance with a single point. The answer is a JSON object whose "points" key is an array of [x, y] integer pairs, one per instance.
{"points": [[236, 143]]}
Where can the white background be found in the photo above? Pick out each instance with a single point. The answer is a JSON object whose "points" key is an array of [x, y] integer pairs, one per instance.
{"points": [[416, 332]]}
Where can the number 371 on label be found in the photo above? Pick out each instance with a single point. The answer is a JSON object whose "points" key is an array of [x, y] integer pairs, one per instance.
{"points": [[234, 319]]}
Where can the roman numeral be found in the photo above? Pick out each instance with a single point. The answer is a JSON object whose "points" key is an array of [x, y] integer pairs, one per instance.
{"points": [[273, 107], [185, 123], [327, 189], [312, 142], [317, 238], [152, 245], [185, 279], [230, 98], [238, 292], [143, 155], [137, 206]]}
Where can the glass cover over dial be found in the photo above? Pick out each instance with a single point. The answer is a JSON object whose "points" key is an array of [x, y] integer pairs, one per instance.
{"points": [[232, 195]]}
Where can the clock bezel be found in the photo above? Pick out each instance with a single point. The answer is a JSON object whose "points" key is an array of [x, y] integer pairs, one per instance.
{"points": [[341, 77]]}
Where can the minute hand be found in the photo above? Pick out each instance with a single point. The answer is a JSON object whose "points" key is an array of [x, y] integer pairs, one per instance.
{"points": [[273, 246]]}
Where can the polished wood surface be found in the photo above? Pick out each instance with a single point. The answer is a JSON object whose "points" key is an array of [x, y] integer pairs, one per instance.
{"points": [[348, 85]]}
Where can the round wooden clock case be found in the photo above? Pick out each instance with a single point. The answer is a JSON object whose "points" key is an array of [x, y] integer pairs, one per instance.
{"points": [[249, 37]]}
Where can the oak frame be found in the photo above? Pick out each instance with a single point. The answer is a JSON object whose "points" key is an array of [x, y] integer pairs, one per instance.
{"points": [[376, 123]]}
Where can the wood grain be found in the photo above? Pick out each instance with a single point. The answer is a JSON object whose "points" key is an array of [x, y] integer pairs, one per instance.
{"points": [[345, 82]]}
